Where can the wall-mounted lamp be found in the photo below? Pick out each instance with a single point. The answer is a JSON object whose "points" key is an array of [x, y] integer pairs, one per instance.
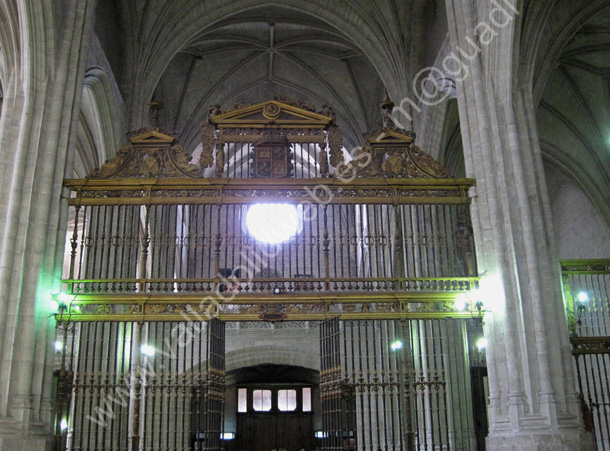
{"points": [[582, 300], [64, 303], [478, 306], [61, 307], [470, 303]]}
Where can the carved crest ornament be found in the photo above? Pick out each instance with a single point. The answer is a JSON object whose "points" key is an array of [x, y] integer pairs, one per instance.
{"points": [[150, 154], [272, 128]]}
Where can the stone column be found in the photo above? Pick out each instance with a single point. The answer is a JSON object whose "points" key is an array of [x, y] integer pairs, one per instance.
{"points": [[45, 64], [532, 403]]}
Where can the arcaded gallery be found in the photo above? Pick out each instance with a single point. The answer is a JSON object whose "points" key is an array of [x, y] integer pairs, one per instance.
{"points": [[305, 225]]}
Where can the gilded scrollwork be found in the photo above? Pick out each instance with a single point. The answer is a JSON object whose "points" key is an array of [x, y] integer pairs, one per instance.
{"points": [[181, 162], [220, 159], [184, 193], [426, 164], [133, 309], [155, 308], [386, 307], [314, 308], [590, 345], [104, 309], [85, 194], [335, 143], [600, 266], [208, 132], [112, 165], [436, 307], [323, 161]]}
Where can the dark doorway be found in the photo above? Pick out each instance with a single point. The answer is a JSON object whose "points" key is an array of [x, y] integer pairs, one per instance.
{"points": [[274, 408]]}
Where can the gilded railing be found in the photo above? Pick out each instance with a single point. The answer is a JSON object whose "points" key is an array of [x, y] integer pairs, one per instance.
{"points": [[399, 248]]}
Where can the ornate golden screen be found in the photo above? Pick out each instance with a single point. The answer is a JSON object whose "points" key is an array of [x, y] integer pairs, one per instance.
{"points": [[385, 235]]}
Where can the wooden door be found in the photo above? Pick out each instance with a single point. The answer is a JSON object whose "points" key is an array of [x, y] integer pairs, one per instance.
{"points": [[275, 431]]}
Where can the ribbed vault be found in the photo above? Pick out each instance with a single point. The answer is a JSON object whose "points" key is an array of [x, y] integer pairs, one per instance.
{"points": [[574, 112], [158, 31], [248, 59]]}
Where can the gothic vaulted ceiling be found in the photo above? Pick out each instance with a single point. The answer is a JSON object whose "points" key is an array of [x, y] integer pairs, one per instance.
{"points": [[190, 54], [574, 113]]}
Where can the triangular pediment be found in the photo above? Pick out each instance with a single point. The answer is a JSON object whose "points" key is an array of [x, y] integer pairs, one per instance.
{"points": [[152, 138], [271, 112], [388, 136]]}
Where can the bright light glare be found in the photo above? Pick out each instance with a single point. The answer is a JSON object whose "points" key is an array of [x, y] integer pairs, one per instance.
{"points": [[227, 436], [583, 297], [59, 346], [461, 304], [321, 434], [147, 350], [273, 223], [396, 345], [482, 343], [63, 425], [65, 298]]}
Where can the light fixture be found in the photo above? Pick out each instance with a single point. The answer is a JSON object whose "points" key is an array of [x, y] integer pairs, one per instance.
{"points": [[61, 307], [64, 303], [65, 297], [227, 436], [320, 434], [581, 304], [396, 345], [63, 425], [277, 290], [59, 346], [274, 223], [481, 343], [477, 312], [147, 350]]}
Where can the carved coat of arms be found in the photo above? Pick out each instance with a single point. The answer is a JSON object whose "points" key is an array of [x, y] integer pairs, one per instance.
{"points": [[272, 156]]}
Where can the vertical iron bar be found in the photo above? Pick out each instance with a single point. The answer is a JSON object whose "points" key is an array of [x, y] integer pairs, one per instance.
{"points": [[385, 377], [84, 235]]}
